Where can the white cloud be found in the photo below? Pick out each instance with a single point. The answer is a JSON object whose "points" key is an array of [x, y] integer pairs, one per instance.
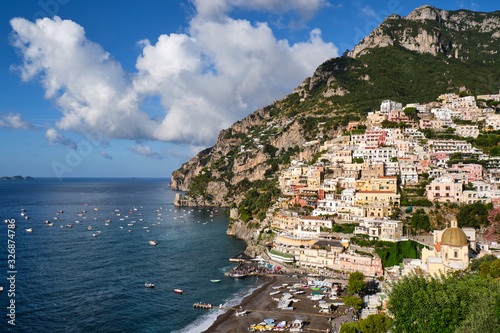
{"points": [[368, 11], [215, 9], [13, 121], [146, 152], [211, 76], [106, 155], [55, 138]]}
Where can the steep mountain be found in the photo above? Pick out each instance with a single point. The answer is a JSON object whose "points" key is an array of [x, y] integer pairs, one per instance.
{"points": [[407, 59]]}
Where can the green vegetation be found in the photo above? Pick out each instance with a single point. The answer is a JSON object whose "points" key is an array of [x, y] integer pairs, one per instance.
{"points": [[377, 323], [420, 221], [344, 228], [284, 255], [199, 184], [353, 301], [462, 302], [392, 254], [356, 283], [473, 215], [256, 202]]}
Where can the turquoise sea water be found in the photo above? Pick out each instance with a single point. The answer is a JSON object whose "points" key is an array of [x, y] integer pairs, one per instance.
{"points": [[67, 280]]}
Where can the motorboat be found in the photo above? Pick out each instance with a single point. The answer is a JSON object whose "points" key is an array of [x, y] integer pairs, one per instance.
{"points": [[179, 291], [149, 285], [89, 228], [153, 242], [29, 229], [215, 281]]}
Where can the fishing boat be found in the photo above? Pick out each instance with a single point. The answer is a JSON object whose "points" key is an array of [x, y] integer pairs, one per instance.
{"points": [[153, 242], [215, 281], [237, 275], [149, 285], [179, 291]]}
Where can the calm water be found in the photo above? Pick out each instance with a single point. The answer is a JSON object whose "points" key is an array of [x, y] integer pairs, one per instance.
{"points": [[70, 281]]}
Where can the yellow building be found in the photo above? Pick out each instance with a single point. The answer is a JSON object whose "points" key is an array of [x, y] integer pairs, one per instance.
{"points": [[450, 252], [377, 203]]}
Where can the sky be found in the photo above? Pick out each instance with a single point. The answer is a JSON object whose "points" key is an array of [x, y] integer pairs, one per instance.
{"points": [[129, 88]]}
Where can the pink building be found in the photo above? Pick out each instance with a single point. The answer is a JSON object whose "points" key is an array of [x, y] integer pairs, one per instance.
{"points": [[474, 171], [370, 266], [375, 137], [445, 189], [396, 115]]}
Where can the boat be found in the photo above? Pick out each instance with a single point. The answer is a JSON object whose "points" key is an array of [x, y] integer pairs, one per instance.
{"points": [[149, 285], [215, 281], [89, 228], [69, 226], [153, 242], [241, 313], [95, 235], [179, 291], [237, 275], [29, 229]]}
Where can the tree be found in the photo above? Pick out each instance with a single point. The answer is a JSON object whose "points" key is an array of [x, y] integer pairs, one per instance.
{"points": [[356, 283], [377, 323], [476, 263], [420, 220], [484, 269], [353, 301], [462, 302], [349, 328], [495, 268]]}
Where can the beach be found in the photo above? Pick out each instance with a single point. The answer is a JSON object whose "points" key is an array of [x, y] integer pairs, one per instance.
{"points": [[260, 305]]}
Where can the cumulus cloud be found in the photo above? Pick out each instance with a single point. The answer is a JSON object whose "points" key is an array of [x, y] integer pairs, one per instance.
{"points": [[146, 151], [55, 138], [13, 121], [106, 155], [217, 72]]}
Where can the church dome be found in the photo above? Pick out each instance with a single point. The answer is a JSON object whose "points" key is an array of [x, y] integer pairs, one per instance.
{"points": [[454, 236]]}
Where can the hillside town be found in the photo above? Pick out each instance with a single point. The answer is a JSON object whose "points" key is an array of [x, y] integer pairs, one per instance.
{"points": [[354, 188]]}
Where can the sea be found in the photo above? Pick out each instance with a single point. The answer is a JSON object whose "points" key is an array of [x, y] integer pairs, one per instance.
{"points": [[67, 278]]}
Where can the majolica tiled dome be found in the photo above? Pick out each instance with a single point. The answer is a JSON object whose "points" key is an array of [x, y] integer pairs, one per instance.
{"points": [[454, 236]]}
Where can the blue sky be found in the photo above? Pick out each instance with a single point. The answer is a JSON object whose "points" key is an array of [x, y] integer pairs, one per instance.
{"points": [[123, 88]]}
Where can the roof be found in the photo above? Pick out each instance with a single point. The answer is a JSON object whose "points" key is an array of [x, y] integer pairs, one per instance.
{"points": [[241, 257], [381, 192], [454, 236]]}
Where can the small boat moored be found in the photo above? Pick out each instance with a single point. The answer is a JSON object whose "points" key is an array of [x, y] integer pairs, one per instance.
{"points": [[179, 291], [153, 242], [149, 285], [29, 229], [215, 281]]}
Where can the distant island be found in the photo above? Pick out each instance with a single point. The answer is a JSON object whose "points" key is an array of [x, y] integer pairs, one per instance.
{"points": [[17, 178]]}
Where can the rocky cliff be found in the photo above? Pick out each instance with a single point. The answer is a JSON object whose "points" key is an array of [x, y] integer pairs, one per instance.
{"points": [[431, 30]]}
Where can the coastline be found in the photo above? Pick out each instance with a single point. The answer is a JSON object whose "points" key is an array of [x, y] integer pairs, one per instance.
{"points": [[261, 305], [223, 319]]}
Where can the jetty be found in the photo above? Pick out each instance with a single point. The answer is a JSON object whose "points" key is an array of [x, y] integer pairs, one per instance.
{"points": [[200, 305]]}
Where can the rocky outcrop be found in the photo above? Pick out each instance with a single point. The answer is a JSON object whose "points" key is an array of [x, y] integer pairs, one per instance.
{"points": [[433, 34]]}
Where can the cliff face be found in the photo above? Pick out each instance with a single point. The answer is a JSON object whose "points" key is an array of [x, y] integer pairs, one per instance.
{"points": [[431, 30]]}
